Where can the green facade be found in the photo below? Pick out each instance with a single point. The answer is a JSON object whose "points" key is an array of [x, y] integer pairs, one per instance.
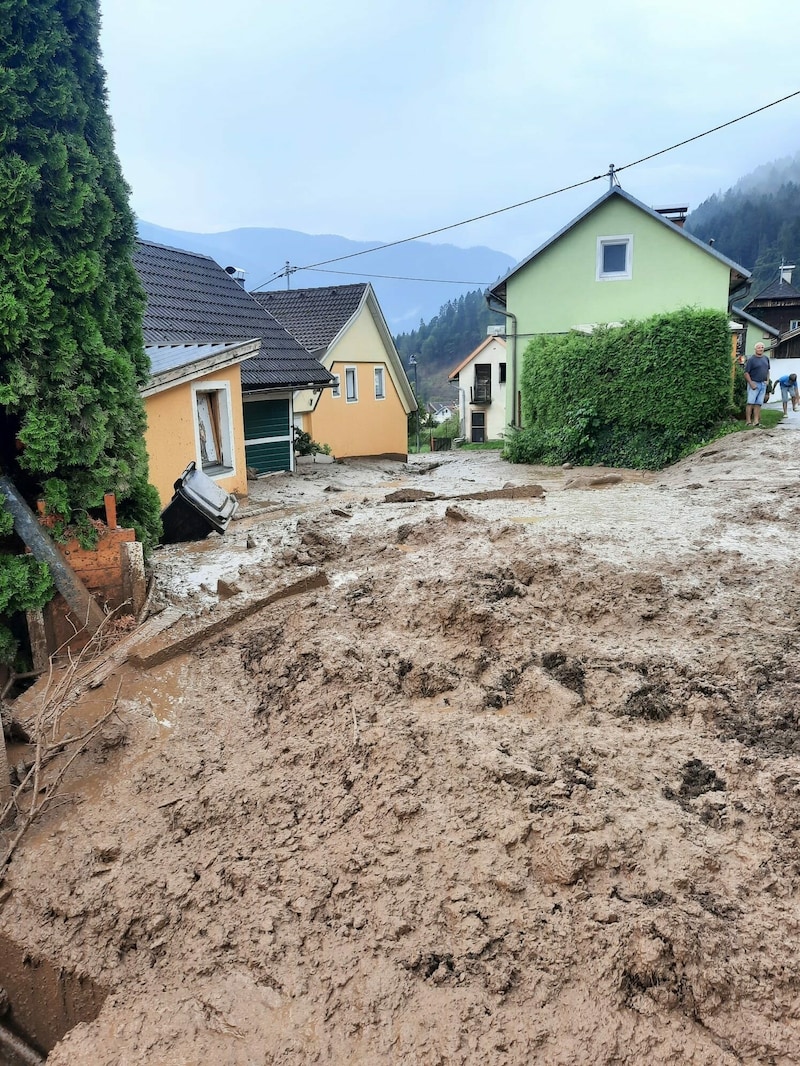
{"points": [[558, 290]]}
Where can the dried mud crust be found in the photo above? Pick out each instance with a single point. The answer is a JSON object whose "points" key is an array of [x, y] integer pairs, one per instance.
{"points": [[521, 787]]}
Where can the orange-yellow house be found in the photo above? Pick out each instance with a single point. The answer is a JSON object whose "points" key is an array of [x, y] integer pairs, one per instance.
{"points": [[194, 413], [223, 373], [366, 411]]}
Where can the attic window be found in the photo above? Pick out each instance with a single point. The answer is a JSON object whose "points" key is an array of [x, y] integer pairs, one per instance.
{"points": [[615, 258]]}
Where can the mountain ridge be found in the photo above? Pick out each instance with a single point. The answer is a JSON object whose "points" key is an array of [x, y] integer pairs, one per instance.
{"points": [[418, 276]]}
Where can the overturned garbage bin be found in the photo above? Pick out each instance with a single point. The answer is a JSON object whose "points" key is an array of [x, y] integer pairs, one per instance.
{"points": [[198, 507]]}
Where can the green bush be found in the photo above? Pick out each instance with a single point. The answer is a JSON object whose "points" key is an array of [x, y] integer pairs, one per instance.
{"points": [[304, 445], [637, 396], [446, 429]]}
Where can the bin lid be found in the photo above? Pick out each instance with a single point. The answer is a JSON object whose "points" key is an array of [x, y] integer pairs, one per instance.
{"points": [[206, 495]]}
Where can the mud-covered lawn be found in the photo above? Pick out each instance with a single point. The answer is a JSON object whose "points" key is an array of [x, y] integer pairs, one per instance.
{"points": [[520, 784]]}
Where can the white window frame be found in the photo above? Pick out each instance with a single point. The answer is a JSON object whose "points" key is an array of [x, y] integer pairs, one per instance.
{"points": [[794, 323], [615, 275], [227, 464], [336, 391], [380, 383], [348, 372]]}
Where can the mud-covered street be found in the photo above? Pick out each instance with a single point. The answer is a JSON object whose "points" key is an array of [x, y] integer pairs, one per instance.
{"points": [[515, 779]]}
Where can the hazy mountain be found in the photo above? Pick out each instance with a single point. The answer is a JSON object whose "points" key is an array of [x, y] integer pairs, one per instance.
{"points": [[264, 252], [757, 221]]}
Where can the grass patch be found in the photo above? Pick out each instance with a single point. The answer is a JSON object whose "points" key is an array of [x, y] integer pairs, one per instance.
{"points": [[487, 446]]}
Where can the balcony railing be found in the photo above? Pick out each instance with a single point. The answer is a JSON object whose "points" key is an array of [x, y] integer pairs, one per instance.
{"points": [[481, 392]]}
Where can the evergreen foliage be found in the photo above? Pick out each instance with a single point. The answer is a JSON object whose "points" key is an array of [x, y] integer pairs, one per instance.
{"points": [[441, 344], [755, 224], [71, 350], [635, 396]]}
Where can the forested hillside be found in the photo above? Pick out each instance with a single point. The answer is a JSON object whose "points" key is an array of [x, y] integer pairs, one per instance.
{"points": [[756, 222], [441, 344]]}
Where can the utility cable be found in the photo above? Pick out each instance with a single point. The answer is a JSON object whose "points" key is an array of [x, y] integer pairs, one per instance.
{"points": [[441, 229], [535, 199], [697, 136], [393, 277]]}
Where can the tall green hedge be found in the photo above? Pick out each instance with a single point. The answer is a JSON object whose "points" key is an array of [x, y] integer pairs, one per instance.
{"points": [[71, 350], [637, 395]]}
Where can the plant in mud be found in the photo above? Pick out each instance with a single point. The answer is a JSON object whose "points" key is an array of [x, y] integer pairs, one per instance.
{"points": [[304, 444]]}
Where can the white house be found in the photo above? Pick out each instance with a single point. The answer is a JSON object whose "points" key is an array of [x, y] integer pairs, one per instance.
{"points": [[481, 383]]}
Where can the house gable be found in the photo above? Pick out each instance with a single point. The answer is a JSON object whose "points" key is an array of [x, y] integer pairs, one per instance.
{"points": [[561, 287], [363, 356]]}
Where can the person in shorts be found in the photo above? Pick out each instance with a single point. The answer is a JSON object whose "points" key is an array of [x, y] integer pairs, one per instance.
{"points": [[788, 384], [756, 372]]}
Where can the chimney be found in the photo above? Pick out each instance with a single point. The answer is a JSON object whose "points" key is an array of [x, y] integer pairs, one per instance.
{"points": [[237, 273], [786, 273], [676, 215]]}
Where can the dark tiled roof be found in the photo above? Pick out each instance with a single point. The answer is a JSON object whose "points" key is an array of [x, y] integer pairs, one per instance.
{"points": [[314, 316], [192, 300], [778, 290]]}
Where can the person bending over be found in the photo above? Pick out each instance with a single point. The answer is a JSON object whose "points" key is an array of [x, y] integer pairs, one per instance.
{"points": [[788, 384]]}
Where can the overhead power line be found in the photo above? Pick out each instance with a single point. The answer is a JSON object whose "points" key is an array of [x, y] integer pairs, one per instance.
{"points": [[394, 277], [533, 199], [697, 136]]}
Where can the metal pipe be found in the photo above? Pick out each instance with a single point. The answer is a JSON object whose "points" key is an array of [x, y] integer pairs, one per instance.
{"points": [[80, 600]]}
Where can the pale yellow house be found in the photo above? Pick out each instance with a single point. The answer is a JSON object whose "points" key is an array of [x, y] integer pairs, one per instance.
{"points": [[366, 411]]}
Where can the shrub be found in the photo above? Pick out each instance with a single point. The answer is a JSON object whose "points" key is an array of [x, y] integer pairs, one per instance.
{"points": [[635, 396]]}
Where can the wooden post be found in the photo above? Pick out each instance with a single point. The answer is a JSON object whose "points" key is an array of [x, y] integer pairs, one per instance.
{"points": [[38, 638], [110, 501]]}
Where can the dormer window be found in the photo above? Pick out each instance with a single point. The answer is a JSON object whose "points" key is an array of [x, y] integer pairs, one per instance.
{"points": [[615, 258]]}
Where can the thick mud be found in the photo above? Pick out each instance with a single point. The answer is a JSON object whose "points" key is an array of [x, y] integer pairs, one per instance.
{"points": [[520, 784]]}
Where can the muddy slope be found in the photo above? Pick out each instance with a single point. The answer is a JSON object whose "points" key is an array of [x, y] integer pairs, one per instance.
{"points": [[519, 785]]}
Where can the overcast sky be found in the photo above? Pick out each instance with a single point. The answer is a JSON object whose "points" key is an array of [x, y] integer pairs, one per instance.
{"points": [[385, 119]]}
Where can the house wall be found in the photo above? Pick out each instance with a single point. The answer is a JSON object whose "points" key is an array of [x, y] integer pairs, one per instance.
{"points": [[172, 438], [779, 316], [368, 426], [559, 289], [754, 336]]}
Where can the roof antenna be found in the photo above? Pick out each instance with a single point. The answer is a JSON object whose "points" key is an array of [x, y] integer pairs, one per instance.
{"points": [[612, 176], [288, 271]]}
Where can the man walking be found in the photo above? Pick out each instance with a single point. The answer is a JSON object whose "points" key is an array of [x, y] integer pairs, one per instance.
{"points": [[756, 372], [788, 384]]}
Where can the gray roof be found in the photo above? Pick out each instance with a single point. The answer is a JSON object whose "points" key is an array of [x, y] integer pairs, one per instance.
{"points": [[778, 290], [165, 357], [314, 316], [498, 290], [192, 300]]}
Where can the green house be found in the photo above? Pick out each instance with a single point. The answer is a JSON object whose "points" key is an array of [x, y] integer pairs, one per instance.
{"points": [[618, 260]]}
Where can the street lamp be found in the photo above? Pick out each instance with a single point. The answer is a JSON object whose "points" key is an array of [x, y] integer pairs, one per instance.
{"points": [[413, 362]]}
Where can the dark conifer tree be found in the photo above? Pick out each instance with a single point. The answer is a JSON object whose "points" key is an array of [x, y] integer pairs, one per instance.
{"points": [[71, 351]]}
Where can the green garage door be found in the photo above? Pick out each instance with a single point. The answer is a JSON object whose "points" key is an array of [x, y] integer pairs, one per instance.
{"points": [[267, 435]]}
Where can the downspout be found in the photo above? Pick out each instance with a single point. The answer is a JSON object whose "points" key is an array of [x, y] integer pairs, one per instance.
{"points": [[495, 306], [462, 410]]}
